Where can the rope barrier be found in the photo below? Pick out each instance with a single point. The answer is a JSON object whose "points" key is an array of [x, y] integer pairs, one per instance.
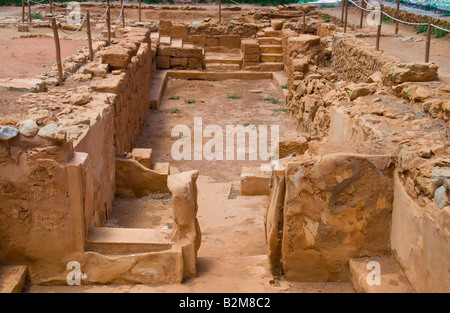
{"points": [[360, 7], [445, 30], [395, 19], [409, 23], [121, 11]]}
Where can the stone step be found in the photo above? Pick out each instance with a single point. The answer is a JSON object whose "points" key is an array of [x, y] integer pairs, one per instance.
{"points": [[157, 87], [222, 67], [269, 41], [12, 278], [271, 57], [281, 81], [391, 278], [269, 32], [271, 66], [254, 181], [271, 48], [212, 59], [162, 168], [123, 241]]}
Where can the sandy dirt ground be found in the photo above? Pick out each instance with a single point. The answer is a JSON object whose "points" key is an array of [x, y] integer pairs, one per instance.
{"points": [[213, 105]]}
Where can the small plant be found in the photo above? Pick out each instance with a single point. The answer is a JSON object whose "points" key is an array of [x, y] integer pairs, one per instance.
{"points": [[284, 86], [36, 16], [437, 33], [12, 54], [174, 98], [325, 17], [190, 86], [174, 111], [280, 110], [211, 85], [235, 96], [385, 19], [189, 101], [271, 99], [246, 124]]}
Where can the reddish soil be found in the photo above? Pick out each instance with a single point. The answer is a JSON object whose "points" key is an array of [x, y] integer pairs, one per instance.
{"points": [[28, 57]]}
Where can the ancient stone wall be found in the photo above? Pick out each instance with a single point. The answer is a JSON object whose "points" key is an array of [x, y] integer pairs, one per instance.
{"points": [[58, 165], [354, 60], [133, 57], [412, 17]]}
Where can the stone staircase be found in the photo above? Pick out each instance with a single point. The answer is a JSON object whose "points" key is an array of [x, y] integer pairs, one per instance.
{"points": [[122, 241], [271, 49]]}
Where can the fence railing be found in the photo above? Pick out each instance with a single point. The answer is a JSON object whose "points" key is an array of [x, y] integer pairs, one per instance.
{"points": [[376, 9]]}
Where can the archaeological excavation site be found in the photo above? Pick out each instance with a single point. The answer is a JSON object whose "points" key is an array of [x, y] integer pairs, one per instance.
{"points": [[224, 147]]}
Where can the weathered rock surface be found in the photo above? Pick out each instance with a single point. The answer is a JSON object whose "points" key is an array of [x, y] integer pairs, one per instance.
{"points": [[335, 209], [53, 131], [8, 132], [28, 128], [408, 72]]}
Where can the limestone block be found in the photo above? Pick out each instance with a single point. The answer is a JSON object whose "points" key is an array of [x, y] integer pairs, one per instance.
{"points": [[302, 43], [143, 156], [165, 28], [299, 65], [292, 143], [254, 181], [53, 131], [408, 72], [277, 24], [272, 221], [22, 28], [230, 41], [337, 207], [95, 68], [180, 31], [198, 40], [135, 180], [116, 56], [178, 62], [249, 46], [251, 58]]}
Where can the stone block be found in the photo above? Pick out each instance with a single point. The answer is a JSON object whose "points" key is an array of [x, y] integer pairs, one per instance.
{"points": [[254, 181], [117, 57], [143, 156]]}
